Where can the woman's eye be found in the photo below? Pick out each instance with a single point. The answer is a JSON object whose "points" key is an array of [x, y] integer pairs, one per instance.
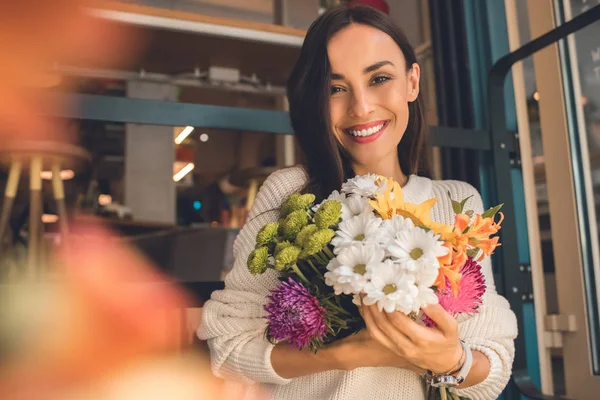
{"points": [[336, 89], [380, 79]]}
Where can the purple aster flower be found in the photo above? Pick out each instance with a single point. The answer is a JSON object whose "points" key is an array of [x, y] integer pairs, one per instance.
{"points": [[295, 315]]}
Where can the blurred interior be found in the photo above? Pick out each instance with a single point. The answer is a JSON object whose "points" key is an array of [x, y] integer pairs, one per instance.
{"points": [[180, 194]]}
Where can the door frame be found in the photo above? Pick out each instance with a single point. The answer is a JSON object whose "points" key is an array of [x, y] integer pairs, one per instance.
{"points": [[565, 209]]}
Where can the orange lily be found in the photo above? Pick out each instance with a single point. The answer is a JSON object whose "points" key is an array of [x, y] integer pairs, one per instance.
{"points": [[450, 269]]}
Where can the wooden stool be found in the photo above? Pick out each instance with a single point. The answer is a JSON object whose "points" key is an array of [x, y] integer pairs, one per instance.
{"points": [[36, 155]]}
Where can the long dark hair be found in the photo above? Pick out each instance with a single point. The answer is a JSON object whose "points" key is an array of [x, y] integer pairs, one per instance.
{"points": [[308, 90]]}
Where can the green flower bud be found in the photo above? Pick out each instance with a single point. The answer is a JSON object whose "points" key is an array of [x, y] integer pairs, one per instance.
{"points": [[286, 257], [280, 227], [267, 234], [315, 242], [328, 214], [297, 202], [294, 223], [281, 245], [307, 199], [257, 260], [305, 233]]}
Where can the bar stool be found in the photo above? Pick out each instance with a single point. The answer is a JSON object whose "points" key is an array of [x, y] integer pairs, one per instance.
{"points": [[37, 156]]}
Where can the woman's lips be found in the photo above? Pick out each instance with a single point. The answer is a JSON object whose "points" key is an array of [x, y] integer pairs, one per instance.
{"points": [[370, 138]]}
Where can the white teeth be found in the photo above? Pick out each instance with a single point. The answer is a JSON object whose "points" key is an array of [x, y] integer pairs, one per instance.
{"points": [[366, 132]]}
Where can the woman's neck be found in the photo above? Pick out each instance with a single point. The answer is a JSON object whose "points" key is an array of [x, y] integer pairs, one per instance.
{"points": [[389, 169]]}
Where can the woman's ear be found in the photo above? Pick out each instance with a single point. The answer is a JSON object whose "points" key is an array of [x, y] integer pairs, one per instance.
{"points": [[413, 79]]}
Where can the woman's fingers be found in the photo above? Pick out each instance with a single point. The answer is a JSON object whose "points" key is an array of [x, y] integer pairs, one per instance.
{"points": [[399, 341], [445, 322], [373, 329], [408, 327]]}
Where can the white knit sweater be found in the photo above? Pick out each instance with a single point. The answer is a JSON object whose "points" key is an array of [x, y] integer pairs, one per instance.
{"points": [[232, 320]]}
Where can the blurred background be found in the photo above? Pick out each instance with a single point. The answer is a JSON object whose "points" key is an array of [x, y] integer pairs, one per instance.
{"points": [[160, 119]]}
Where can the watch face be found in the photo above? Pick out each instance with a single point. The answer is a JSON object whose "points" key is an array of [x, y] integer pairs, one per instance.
{"points": [[444, 381]]}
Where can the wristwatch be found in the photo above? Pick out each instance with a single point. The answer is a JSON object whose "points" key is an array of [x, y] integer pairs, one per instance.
{"points": [[449, 380]]}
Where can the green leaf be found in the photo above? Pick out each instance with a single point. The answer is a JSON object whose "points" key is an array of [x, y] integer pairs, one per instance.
{"points": [[462, 203], [492, 211], [470, 213], [473, 252], [456, 206]]}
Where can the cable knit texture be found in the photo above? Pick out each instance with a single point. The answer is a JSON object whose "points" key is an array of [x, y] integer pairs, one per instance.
{"points": [[232, 320]]}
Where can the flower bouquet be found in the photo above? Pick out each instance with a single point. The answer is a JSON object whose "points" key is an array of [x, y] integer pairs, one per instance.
{"points": [[367, 244]]}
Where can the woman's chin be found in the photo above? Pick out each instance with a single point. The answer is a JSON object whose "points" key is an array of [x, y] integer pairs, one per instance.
{"points": [[373, 157]]}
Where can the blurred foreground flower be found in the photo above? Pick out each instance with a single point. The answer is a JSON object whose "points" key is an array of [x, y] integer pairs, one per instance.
{"points": [[98, 331], [35, 36]]}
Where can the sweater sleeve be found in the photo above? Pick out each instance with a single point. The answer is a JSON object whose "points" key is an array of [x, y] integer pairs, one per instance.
{"points": [[232, 320], [493, 329]]}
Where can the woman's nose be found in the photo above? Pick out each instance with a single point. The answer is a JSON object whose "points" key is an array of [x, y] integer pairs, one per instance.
{"points": [[361, 105]]}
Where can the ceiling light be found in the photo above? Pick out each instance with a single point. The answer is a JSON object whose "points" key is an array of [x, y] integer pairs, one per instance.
{"points": [[204, 137], [536, 96], [183, 172], [184, 133], [104, 199]]}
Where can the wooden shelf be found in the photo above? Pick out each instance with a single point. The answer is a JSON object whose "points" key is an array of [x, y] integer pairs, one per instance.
{"points": [[192, 22]]}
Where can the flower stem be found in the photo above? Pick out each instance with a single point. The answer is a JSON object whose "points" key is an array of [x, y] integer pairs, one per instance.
{"points": [[313, 267], [328, 252], [300, 274], [336, 307], [321, 259]]}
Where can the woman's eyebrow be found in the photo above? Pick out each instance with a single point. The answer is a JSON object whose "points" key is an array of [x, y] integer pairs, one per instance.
{"points": [[377, 65], [370, 68]]}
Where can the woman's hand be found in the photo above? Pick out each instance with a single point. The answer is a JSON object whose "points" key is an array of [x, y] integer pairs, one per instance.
{"points": [[437, 349], [361, 350]]}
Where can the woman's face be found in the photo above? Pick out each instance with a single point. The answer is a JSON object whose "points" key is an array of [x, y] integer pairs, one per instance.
{"points": [[370, 92]]}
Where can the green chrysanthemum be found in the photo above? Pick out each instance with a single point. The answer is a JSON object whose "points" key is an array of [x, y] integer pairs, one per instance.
{"points": [[297, 202], [315, 242], [305, 233], [294, 223], [280, 222], [281, 245], [257, 260], [328, 214], [286, 257], [266, 234]]}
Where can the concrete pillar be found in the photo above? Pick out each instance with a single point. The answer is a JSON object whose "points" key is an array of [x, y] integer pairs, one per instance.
{"points": [[285, 150], [149, 157]]}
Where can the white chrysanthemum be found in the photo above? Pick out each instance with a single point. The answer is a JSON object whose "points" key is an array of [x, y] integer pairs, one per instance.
{"points": [[391, 289], [330, 280], [350, 270], [362, 185], [335, 195], [392, 227], [357, 205], [425, 297], [361, 228], [427, 273], [417, 249]]}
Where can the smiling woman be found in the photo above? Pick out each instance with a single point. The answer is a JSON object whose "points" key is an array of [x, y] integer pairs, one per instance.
{"points": [[350, 112], [356, 109], [370, 99]]}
